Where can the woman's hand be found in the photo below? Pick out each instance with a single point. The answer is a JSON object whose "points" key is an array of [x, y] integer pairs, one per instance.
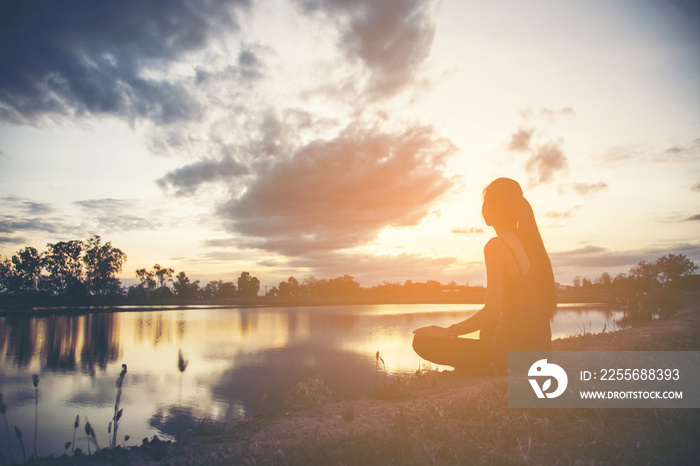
{"points": [[433, 331]]}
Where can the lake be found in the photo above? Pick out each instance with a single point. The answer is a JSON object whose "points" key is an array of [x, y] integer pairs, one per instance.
{"points": [[239, 362]]}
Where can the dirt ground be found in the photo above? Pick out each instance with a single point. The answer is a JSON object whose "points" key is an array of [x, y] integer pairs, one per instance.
{"points": [[269, 439]]}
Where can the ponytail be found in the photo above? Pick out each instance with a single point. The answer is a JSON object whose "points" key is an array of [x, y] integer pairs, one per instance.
{"points": [[541, 267]]}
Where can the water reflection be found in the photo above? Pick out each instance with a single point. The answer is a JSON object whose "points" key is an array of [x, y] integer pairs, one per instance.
{"points": [[59, 340], [238, 361]]}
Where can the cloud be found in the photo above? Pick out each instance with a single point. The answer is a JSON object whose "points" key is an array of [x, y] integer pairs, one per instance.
{"points": [[115, 215], [23, 215], [370, 269], [696, 187], [544, 162], [187, 179], [520, 140], [693, 218], [681, 152], [546, 113], [595, 256], [467, 231], [28, 207], [11, 224], [585, 189], [339, 193], [103, 57], [561, 214], [392, 38], [545, 158], [12, 240], [687, 152]]}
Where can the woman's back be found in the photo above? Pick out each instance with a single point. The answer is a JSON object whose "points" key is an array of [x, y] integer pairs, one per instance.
{"points": [[523, 323]]}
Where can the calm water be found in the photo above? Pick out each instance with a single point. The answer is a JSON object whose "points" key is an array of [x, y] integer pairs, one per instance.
{"points": [[240, 361]]}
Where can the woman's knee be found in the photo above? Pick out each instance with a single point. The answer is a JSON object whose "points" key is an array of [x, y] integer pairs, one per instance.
{"points": [[418, 343]]}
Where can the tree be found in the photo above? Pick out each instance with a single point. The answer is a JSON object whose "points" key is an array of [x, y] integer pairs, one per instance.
{"points": [[183, 288], [645, 272], [248, 286], [672, 266], [147, 277], [102, 263], [27, 270], [604, 279], [64, 264], [289, 288], [6, 275], [162, 274]]}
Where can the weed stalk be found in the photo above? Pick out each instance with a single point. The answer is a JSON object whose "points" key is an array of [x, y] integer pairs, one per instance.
{"points": [[91, 437], [3, 407], [117, 411], [18, 433], [75, 429], [35, 381]]}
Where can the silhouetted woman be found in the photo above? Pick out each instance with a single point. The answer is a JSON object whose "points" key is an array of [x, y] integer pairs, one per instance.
{"points": [[520, 296]]}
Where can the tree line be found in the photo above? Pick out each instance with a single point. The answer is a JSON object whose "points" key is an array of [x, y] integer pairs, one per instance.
{"points": [[84, 272], [671, 269], [68, 269], [346, 286]]}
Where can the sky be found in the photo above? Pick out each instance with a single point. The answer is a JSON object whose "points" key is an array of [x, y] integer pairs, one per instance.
{"points": [[330, 137]]}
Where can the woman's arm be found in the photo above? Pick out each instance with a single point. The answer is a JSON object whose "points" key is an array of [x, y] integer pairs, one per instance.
{"points": [[495, 258]]}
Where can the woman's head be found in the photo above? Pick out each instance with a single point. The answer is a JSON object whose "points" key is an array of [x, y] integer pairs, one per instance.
{"points": [[503, 203]]}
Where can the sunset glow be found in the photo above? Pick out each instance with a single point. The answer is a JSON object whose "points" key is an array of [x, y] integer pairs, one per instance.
{"points": [[324, 138]]}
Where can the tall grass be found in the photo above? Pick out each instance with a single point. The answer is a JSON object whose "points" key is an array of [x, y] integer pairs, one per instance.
{"points": [[75, 429], [35, 381], [3, 407], [117, 411], [18, 434], [376, 369]]}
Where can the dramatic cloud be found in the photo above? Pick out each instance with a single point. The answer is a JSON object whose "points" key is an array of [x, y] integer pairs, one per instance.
{"points": [[335, 194], [103, 57], [544, 162], [585, 189], [391, 38]]}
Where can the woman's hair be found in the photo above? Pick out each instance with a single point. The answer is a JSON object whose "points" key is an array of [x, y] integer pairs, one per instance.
{"points": [[506, 204]]}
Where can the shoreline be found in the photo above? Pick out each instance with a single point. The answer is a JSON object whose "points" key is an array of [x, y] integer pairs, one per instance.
{"points": [[433, 416], [589, 297]]}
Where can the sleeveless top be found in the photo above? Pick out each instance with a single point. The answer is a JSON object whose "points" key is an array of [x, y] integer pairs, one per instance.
{"points": [[523, 324]]}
